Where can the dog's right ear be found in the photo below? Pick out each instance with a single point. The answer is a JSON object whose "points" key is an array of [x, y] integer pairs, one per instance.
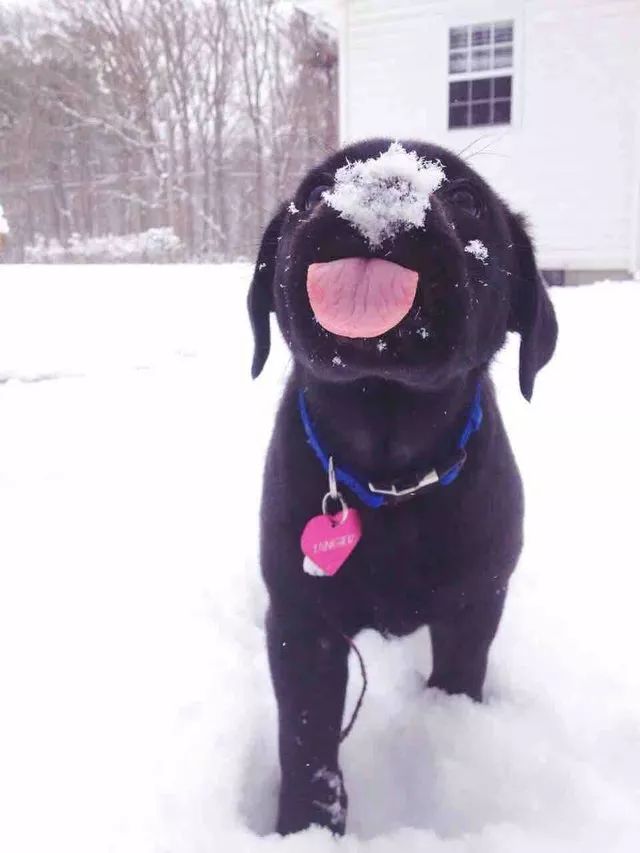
{"points": [[532, 314], [260, 301]]}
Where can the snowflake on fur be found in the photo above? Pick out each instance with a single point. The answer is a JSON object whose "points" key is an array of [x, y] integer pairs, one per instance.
{"points": [[478, 249]]}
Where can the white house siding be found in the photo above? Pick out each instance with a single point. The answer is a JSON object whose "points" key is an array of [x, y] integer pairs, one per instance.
{"points": [[571, 157]]}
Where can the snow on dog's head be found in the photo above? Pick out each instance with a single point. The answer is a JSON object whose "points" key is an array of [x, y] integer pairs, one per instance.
{"points": [[386, 194]]}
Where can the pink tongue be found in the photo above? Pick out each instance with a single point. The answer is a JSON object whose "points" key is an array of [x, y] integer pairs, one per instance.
{"points": [[359, 297]]}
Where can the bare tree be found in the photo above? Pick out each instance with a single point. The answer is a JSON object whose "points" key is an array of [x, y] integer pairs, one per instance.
{"points": [[215, 75], [117, 116], [255, 36]]}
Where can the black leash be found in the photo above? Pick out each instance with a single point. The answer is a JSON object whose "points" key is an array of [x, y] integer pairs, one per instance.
{"points": [[344, 734]]}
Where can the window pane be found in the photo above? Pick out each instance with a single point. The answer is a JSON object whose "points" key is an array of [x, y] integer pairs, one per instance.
{"points": [[503, 31], [458, 62], [480, 59], [502, 87], [502, 112], [458, 116], [459, 92], [503, 57], [480, 90], [481, 35], [480, 113], [458, 37]]}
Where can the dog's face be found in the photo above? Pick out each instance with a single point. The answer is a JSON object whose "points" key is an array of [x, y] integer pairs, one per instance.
{"points": [[406, 267]]}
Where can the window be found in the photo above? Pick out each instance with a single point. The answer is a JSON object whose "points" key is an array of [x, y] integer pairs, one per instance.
{"points": [[477, 95], [477, 102]]}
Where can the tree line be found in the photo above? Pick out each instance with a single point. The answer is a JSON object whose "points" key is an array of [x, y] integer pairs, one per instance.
{"points": [[125, 116]]}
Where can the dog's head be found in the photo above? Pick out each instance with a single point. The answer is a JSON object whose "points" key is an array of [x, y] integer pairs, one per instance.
{"points": [[396, 260]]}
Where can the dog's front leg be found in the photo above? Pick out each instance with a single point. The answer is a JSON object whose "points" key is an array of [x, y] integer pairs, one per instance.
{"points": [[461, 645], [309, 671]]}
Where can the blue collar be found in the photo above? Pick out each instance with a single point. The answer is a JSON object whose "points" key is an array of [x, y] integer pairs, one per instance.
{"points": [[375, 497]]}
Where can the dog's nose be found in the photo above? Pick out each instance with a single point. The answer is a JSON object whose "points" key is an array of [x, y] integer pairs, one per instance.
{"points": [[387, 194]]}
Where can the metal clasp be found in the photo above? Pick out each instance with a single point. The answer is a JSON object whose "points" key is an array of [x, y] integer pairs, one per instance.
{"points": [[394, 492], [334, 494]]}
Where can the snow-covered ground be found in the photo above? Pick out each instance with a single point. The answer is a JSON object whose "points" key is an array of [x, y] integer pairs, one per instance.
{"points": [[136, 714]]}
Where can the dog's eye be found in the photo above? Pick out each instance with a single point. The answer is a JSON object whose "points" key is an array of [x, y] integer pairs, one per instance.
{"points": [[465, 199], [315, 196]]}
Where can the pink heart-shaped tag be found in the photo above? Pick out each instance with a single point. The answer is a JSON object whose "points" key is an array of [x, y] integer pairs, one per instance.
{"points": [[327, 540]]}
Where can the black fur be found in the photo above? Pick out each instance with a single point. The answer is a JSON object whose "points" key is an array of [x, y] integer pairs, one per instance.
{"points": [[444, 557]]}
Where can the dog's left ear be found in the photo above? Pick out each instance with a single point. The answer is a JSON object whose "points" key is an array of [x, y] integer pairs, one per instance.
{"points": [[531, 314], [260, 300]]}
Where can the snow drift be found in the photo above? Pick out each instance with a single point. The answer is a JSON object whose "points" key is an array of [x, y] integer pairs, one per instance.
{"points": [[137, 714]]}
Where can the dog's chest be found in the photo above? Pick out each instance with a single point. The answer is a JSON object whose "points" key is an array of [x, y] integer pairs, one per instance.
{"points": [[408, 569]]}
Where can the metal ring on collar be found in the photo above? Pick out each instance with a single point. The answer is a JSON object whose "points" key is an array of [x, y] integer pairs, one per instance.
{"points": [[343, 505], [333, 487]]}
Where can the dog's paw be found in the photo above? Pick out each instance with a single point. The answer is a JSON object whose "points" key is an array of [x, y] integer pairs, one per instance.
{"points": [[322, 802], [331, 797]]}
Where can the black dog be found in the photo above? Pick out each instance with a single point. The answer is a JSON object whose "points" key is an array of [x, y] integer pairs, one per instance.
{"points": [[389, 410]]}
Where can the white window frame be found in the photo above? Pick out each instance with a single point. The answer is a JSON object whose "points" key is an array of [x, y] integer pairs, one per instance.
{"points": [[469, 75], [492, 45]]}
